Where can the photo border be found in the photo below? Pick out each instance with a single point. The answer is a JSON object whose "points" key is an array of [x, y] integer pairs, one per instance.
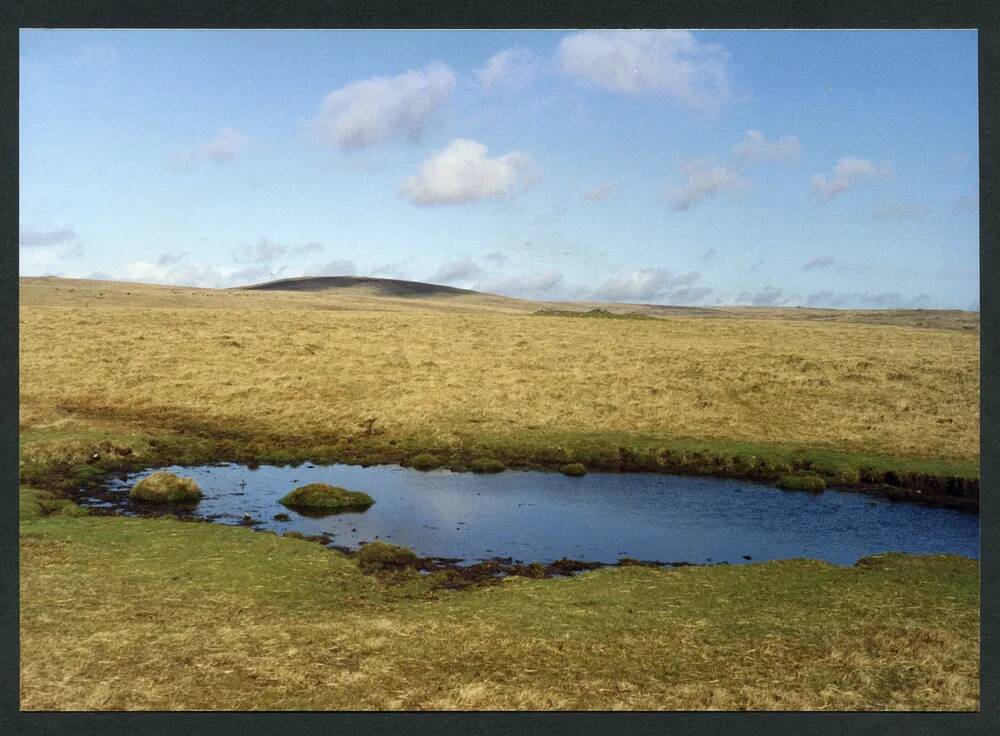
{"points": [[517, 14]]}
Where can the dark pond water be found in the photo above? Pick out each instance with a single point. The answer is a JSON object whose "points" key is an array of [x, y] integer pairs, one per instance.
{"points": [[536, 516]]}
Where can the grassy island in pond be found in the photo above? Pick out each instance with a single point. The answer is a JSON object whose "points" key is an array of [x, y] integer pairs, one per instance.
{"points": [[323, 497], [164, 487]]}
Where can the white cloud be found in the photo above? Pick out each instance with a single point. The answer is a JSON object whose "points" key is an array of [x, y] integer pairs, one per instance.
{"points": [[847, 172], [457, 271], [383, 108], [672, 63], [462, 172], [222, 149], [705, 177], [756, 148], [644, 285], [30, 238], [598, 193], [512, 69]]}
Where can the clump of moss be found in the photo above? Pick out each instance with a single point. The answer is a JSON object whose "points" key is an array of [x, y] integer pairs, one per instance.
{"points": [[573, 469], [323, 497], [382, 555], [164, 487], [486, 465], [425, 461], [802, 482]]}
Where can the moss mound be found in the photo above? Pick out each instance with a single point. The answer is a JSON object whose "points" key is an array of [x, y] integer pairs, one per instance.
{"points": [[323, 497], [425, 461], [802, 482], [164, 487], [573, 469], [486, 465], [382, 555]]}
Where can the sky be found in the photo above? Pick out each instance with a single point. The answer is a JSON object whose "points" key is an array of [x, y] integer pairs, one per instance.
{"points": [[809, 168]]}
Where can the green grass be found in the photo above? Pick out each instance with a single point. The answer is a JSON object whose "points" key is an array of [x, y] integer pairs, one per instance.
{"points": [[486, 465], [120, 613], [425, 461], [802, 482]]}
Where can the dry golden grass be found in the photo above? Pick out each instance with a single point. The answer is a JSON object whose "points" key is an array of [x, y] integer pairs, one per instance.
{"points": [[144, 614], [306, 365], [162, 615]]}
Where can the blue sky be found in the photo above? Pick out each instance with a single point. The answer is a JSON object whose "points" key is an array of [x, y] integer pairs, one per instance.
{"points": [[800, 168]]}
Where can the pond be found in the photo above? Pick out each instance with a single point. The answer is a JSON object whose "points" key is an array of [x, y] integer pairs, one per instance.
{"points": [[602, 517]]}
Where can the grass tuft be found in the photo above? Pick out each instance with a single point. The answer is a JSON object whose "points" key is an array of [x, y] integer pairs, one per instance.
{"points": [[486, 465], [377, 556], [164, 487], [323, 497], [802, 482], [573, 469], [425, 461]]}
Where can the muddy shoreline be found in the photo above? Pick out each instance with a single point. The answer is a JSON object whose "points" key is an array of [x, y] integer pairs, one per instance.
{"points": [[445, 572]]}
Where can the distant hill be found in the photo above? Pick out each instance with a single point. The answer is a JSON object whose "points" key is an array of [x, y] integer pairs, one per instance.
{"points": [[382, 287]]}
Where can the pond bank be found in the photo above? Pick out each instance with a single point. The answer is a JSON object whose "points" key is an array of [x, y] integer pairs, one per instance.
{"points": [[92, 454]]}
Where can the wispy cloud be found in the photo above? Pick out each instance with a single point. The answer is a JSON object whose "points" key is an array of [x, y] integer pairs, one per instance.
{"points": [[756, 148], [335, 267], [222, 149], [510, 69], [846, 173], [818, 263], [674, 64], [769, 296], [645, 285], [867, 300], [266, 251], [462, 271], [30, 238], [169, 258], [599, 193], [379, 109], [544, 285], [462, 172], [705, 177]]}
